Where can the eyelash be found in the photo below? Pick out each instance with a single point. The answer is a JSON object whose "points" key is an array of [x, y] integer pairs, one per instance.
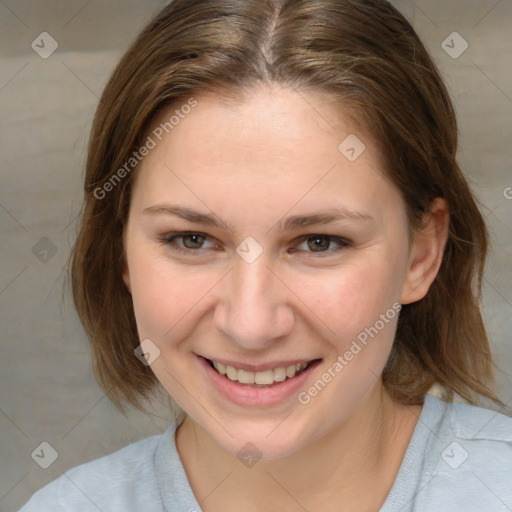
{"points": [[170, 238]]}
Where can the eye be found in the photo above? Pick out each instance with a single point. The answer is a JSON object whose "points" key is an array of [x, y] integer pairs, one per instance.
{"points": [[193, 241], [187, 242], [321, 244]]}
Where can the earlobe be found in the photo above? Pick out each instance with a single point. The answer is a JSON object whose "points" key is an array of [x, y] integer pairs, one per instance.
{"points": [[427, 252]]}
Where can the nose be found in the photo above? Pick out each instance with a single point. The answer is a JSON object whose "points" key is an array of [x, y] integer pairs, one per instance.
{"points": [[255, 307]]}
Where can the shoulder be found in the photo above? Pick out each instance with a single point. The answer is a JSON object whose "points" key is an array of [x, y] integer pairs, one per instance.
{"points": [[468, 460], [124, 480], [476, 423], [470, 424]]}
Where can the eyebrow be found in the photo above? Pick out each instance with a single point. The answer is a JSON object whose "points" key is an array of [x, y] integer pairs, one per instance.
{"points": [[187, 214], [285, 224]]}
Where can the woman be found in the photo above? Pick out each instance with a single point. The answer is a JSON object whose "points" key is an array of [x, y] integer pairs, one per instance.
{"points": [[276, 231]]}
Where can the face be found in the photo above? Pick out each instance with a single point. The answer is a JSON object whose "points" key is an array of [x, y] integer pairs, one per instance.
{"points": [[254, 242]]}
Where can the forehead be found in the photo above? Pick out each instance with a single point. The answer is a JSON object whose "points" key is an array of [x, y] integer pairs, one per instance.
{"points": [[276, 119], [276, 146]]}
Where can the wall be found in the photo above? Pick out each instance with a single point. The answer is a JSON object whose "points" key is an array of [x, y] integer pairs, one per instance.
{"points": [[47, 392]]}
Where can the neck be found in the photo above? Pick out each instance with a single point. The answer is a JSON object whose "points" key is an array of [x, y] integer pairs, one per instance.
{"points": [[363, 453]]}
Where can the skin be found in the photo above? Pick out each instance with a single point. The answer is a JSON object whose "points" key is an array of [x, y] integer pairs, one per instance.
{"points": [[251, 163]]}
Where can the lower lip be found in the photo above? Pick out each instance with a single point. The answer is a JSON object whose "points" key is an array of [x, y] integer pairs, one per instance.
{"points": [[242, 394]]}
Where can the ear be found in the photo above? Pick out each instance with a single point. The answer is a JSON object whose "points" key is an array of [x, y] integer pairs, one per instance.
{"points": [[126, 273], [124, 266], [427, 252]]}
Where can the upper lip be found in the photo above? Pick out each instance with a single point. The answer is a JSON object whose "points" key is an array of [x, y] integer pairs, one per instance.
{"points": [[261, 367]]}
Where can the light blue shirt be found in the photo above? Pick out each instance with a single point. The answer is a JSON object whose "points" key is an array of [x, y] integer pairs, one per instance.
{"points": [[459, 459]]}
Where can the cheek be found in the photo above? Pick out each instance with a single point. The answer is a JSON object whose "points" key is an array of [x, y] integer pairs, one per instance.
{"points": [[359, 304], [167, 298], [354, 297]]}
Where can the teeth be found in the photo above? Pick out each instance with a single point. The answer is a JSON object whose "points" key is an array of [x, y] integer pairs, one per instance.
{"points": [[265, 378], [232, 373], [280, 374], [245, 377], [221, 368]]}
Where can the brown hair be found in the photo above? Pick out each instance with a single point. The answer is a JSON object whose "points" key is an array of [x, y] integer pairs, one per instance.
{"points": [[362, 52]]}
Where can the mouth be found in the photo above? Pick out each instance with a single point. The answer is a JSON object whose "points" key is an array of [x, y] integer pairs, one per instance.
{"points": [[259, 385], [261, 379]]}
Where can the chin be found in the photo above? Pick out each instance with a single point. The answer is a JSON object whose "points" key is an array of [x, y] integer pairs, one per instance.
{"points": [[269, 441]]}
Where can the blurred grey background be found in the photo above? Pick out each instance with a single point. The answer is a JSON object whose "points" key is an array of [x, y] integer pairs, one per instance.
{"points": [[47, 389]]}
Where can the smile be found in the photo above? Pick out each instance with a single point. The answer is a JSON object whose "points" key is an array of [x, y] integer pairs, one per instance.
{"points": [[261, 378], [258, 385]]}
